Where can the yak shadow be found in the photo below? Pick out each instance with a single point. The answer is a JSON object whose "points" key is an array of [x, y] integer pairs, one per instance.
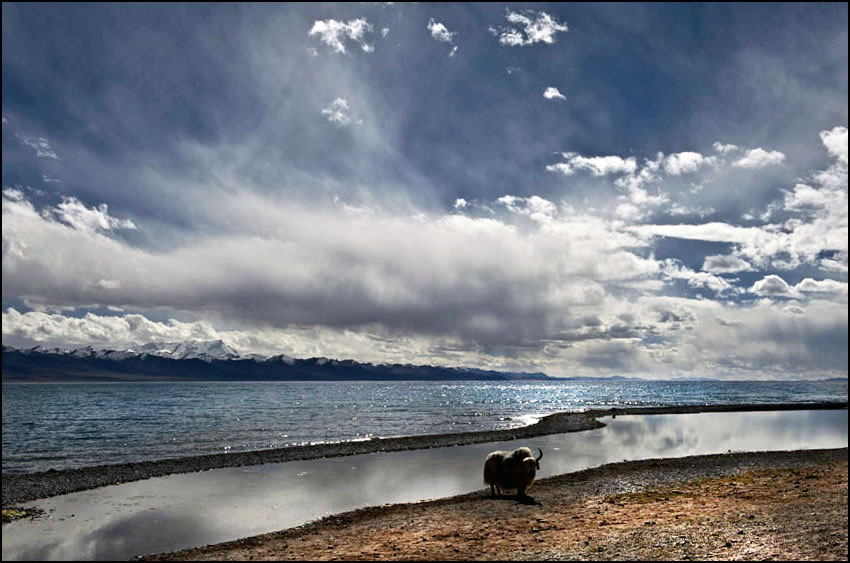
{"points": [[522, 499]]}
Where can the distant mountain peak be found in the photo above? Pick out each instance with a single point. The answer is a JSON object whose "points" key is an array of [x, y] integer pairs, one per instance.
{"points": [[174, 361]]}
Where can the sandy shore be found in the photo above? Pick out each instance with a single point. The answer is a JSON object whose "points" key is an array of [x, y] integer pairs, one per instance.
{"points": [[776, 505], [26, 487]]}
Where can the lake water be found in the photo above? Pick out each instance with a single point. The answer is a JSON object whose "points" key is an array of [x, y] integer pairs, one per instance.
{"points": [[187, 510], [62, 426]]}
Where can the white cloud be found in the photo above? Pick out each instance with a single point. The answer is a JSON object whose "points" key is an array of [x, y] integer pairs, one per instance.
{"points": [[40, 145], [677, 209], [553, 93], [109, 284], [596, 165], [771, 285], [91, 329], [13, 194], [535, 207], [724, 148], [805, 198], [339, 113], [759, 158], [686, 162], [440, 32], [334, 33], [725, 265], [835, 142], [528, 28], [460, 203], [501, 281], [73, 212], [809, 285], [836, 263], [673, 270]]}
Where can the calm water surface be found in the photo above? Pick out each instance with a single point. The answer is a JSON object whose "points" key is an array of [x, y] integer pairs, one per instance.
{"points": [[76, 425], [179, 511]]}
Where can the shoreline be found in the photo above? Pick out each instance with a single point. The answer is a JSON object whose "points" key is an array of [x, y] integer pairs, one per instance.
{"points": [[784, 505], [20, 488]]}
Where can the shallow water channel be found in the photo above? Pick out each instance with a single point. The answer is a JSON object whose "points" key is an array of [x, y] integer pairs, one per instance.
{"points": [[188, 510]]}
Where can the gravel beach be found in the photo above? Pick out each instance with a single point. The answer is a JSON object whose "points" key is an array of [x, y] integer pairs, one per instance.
{"points": [[18, 488]]}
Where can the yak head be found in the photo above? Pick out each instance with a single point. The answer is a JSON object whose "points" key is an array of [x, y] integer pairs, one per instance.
{"points": [[535, 462]]}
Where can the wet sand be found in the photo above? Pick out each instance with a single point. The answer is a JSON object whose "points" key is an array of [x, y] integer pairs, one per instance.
{"points": [[765, 506], [32, 486]]}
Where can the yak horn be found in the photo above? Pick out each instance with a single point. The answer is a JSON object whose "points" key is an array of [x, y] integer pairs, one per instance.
{"points": [[541, 454]]}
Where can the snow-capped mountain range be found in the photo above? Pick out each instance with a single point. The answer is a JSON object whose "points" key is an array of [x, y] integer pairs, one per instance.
{"points": [[212, 360], [206, 350]]}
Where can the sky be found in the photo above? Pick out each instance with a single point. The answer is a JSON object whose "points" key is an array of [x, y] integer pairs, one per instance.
{"points": [[584, 190]]}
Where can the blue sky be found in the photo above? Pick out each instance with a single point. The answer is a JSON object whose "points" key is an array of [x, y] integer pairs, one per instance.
{"points": [[596, 189]]}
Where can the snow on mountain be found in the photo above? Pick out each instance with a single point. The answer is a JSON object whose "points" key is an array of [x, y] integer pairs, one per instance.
{"points": [[206, 350]]}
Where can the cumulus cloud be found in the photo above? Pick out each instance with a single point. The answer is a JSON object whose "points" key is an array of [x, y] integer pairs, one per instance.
{"points": [[817, 225], [339, 113], [528, 28], [674, 270], [771, 285], [837, 262], [725, 265], [441, 33], [105, 330], [686, 162], [535, 207], [805, 198], [835, 142], [335, 33], [759, 158], [809, 285], [774, 286], [552, 93], [595, 165]]}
